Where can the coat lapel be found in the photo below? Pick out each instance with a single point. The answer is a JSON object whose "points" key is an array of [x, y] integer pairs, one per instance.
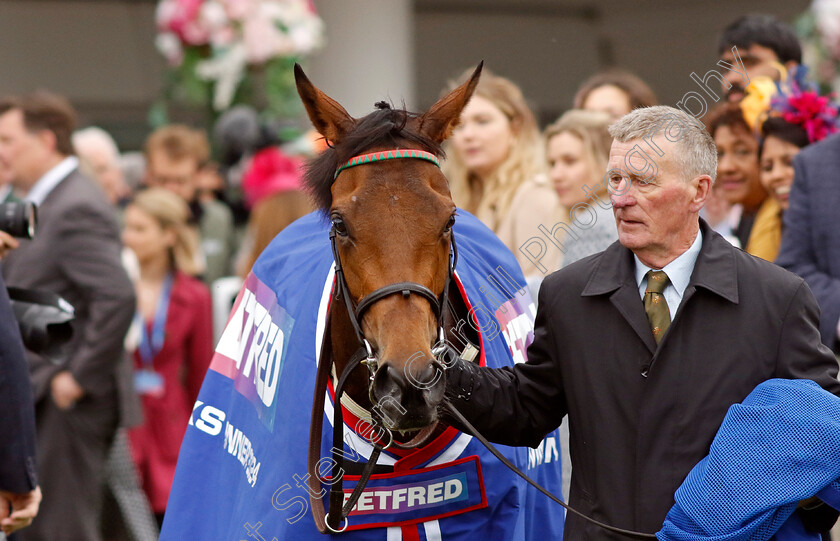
{"points": [[715, 271], [615, 275]]}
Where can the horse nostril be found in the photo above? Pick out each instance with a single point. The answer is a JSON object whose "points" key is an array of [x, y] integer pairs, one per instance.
{"points": [[387, 381], [427, 377]]}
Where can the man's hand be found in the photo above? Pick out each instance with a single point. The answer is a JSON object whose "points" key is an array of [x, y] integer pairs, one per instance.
{"points": [[24, 508], [7, 243], [66, 390]]}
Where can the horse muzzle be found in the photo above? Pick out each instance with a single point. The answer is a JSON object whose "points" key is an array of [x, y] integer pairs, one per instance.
{"points": [[407, 398]]}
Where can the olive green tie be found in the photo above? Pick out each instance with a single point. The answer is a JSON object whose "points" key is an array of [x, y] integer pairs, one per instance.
{"points": [[655, 306]]}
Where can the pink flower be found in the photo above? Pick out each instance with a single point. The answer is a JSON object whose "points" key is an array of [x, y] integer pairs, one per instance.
{"points": [[260, 37], [239, 9], [183, 14]]}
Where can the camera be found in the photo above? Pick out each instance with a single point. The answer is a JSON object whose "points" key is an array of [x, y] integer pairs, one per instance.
{"points": [[18, 219], [44, 320]]}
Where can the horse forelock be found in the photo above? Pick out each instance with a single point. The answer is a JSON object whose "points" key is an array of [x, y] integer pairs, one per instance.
{"points": [[383, 127]]}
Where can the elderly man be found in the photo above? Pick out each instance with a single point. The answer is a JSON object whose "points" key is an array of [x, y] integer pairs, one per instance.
{"points": [[99, 157], [647, 344]]}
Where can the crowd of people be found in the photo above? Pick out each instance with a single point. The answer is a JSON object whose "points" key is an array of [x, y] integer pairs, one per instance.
{"points": [[137, 254]]}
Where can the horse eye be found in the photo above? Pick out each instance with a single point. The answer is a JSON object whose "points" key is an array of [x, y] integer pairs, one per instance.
{"points": [[449, 224], [339, 226]]}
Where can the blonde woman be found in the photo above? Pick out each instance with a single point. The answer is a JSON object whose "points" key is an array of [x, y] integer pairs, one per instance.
{"points": [[496, 166], [174, 310], [578, 148]]}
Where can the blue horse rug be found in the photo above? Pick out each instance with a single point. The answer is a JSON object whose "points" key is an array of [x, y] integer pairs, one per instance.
{"points": [[779, 446], [242, 468]]}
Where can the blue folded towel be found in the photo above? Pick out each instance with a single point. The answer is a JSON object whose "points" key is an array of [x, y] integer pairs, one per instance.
{"points": [[780, 446]]}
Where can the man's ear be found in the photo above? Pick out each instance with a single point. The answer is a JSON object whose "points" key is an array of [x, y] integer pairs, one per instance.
{"points": [[703, 185], [47, 138]]}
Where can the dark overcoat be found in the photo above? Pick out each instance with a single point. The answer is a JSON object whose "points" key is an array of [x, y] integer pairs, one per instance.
{"points": [[17, 411], [641, 416]]}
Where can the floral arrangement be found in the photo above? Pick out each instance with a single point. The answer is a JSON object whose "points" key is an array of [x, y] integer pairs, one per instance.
{"points": [[799, 102], [217, 48]]}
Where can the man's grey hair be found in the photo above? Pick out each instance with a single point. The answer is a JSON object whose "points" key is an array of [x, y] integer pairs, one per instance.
{"points": [[91, 138], [696, 152]]}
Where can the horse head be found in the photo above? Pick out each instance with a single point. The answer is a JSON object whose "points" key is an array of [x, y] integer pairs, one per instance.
{"points": [[391, 224]]}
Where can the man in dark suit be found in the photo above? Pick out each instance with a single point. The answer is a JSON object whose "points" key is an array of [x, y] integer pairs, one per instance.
{"points": [[75, 254], [19, 491], [811, 236], [647, 344]]}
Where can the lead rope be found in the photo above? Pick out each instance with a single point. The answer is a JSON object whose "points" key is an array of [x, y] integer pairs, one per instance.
{"points": [[475, 433]]}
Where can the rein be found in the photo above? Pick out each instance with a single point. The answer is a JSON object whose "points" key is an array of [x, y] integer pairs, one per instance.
{"points": [[330, 522]]}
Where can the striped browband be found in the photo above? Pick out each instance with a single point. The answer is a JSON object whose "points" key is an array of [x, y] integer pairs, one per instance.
{"points": [[387, 155]]}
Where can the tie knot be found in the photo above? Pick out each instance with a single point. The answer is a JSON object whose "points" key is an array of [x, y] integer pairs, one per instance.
{"points": [[656, 281]]}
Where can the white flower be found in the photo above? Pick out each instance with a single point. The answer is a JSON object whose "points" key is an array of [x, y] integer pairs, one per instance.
{"points": [[227, 69], [306, 38], [827, 14], [170, 46], [166, 10], [213, 14]]}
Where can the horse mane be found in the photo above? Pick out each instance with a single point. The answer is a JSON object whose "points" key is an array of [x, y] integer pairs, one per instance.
{"points": [[385, 126]]}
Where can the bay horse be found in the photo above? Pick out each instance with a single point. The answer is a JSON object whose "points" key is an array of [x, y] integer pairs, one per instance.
{"points": [[369, 295], [391, 216], [392, 222]]}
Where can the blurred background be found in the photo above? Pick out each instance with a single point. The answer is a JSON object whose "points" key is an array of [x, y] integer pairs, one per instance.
{"points": [[102, 54], [210, 135]]}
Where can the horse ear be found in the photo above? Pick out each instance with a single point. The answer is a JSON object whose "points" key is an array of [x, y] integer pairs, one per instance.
{"points": [[438, 122], [327, 115]]}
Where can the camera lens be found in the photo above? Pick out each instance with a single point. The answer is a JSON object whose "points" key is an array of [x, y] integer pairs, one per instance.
{"points": [[18, 219]]}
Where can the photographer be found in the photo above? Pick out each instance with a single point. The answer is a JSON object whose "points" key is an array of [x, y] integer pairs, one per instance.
{"points": [[76, 255], [20, 495]]}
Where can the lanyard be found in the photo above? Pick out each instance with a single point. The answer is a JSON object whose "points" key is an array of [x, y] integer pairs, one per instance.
{"points": [[151, 345]]}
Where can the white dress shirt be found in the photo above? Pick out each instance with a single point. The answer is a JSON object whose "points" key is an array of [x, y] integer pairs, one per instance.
{"points": [[5, 190], [678, 271], [41, 189]]}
